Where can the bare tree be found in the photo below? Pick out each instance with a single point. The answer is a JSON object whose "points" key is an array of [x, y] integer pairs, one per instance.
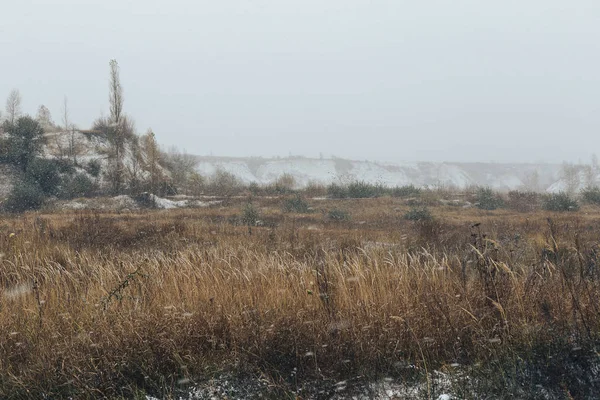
{"points": [[44, 118], [135, 167], [182, 166], [570, 176], [196, 184], [73, 145], [13, 106], [589, 176], [116, 113], [115, 92], [531, 181], [152, 159], [65, 114]]}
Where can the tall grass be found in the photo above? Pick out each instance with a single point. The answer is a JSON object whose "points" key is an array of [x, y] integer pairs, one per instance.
{"points": [[106, 305]]}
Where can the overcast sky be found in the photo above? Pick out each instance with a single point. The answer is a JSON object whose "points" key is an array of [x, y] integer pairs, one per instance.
{"points": [[461, 80]]}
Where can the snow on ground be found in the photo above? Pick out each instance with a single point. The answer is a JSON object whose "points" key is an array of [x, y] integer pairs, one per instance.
{"points": [[246, 388], [124, 202], [166, 203]]}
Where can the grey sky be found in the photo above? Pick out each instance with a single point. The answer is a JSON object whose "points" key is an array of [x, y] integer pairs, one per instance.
{"points": [[381, 79]]}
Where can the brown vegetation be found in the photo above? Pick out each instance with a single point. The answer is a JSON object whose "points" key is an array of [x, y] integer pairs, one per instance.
{"points": [[105, 305]]}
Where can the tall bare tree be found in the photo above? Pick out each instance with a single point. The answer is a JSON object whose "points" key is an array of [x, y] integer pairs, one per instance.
{"points": [[73, 147], [13, 106], [116, 116], [115, 92], [65, 114]]}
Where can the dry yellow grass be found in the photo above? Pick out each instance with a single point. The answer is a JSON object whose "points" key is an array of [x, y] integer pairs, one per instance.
{"points": [[104, 305]]}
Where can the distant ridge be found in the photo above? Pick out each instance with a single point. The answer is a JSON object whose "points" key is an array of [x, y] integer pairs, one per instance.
{"points": [[499, 176]]}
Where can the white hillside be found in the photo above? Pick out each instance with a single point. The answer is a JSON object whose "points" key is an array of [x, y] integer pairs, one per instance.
{"points": [[427, 174]]}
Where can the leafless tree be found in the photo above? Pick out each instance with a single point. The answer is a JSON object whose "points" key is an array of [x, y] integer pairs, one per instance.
{"points": [[70, 129], [182, 166], [589, 176], [152, 160], [115, 92], [570, 176], [13, 106], [44, 118], [135, 167], [70, 148], [65, 114], [116, 118], [531, 181], [196, 184]]}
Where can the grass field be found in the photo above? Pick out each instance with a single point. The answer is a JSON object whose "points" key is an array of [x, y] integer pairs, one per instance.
{"points": [[107, 305]]}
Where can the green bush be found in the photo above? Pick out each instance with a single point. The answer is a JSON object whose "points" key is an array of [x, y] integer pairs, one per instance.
{"points": [[254, 188], [45, 173], [4, 149], [405, 191], [363, 190], [25, 141], [24, 196], [94, 168], [338, 215], [418, 214], [486, 199], [250, 215], [80, 185], [336, 191], [296, 204], [65, 166], [560, 202], [591, 195], [145, 200]]}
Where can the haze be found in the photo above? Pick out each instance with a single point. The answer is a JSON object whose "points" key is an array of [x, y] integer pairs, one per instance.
{"points": [[508, 81]]}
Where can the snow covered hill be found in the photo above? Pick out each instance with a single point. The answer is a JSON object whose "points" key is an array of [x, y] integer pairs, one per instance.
{"points": [[539, 177]]}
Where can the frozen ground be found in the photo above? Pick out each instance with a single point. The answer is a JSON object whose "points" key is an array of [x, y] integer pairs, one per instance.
{"points": [[248, 388]]}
